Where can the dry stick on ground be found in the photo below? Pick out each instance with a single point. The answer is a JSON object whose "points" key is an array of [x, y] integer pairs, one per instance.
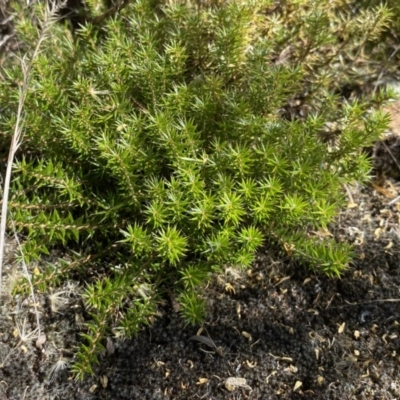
{"points": [[50, 17], [35, 304], [365, 302]]}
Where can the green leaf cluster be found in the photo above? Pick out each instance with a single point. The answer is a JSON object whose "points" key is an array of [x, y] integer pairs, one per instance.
{"points": [[162, 146]]}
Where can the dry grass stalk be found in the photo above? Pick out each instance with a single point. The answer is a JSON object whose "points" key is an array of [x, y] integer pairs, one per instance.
{"points": [[49, 18]]}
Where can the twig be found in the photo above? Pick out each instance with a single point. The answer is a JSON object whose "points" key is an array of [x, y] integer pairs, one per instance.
{"points": [[349, 193], [391, 202], [208, 342], [367, 302], [28, 278]]}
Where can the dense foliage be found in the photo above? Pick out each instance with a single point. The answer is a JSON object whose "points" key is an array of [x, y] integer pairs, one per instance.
{"points": [[171, 140]]}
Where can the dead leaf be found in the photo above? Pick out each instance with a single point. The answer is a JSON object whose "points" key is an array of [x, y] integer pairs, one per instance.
{"points": [[41, 340], [251, 365], [365, 375], [92, 388], [247, 336], [298, 385], [367, 218], [316, 300], [232, 383], [389, 246], [286, 278], [378, 232], [238, 309], [104, 381], [229, 288], [110, 346], [384, 338]]}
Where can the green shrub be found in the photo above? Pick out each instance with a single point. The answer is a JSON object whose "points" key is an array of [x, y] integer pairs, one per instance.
{"points": [[170, 141]]}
